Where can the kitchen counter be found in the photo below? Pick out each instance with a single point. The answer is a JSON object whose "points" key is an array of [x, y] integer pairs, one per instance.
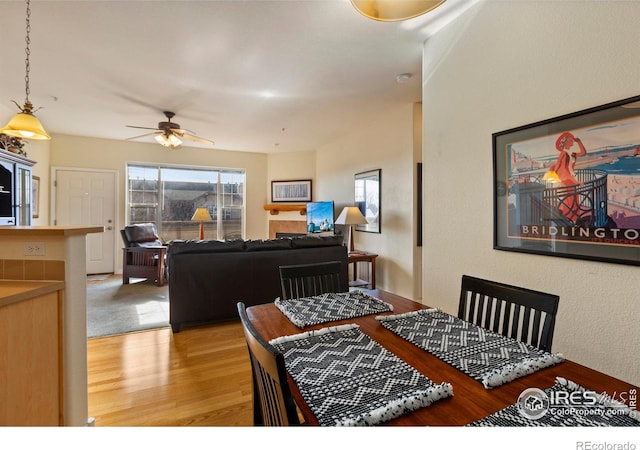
{"points": [[12, 291]]}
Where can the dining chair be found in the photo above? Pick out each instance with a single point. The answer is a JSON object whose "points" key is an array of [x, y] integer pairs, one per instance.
{"points": [[306, 280], [520, 313], [273, 404]]}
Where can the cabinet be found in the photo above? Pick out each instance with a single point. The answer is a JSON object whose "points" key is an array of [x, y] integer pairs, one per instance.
{"points": [[15, 189], [31, 349]]}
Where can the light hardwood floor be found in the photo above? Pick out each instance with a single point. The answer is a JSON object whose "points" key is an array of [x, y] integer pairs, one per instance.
{"points": [[199, 377]]}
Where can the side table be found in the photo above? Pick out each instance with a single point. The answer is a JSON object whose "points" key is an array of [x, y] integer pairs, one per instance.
{"points": [[356, 257]]}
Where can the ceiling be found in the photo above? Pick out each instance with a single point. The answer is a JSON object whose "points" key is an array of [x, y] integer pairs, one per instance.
{"points": [[263, 76]]}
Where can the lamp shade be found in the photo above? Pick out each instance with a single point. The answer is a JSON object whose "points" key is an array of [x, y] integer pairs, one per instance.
{"points": [[394, 10], [351, 215], [27, 126], [201, 215]]}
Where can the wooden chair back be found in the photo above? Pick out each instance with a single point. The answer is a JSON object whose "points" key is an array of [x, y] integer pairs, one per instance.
{"points": [[273, 404], [523, 314], [306, 280]]}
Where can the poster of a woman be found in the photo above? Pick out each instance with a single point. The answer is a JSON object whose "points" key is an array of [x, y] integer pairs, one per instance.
{"points": [[571, 182], [563, 171]]}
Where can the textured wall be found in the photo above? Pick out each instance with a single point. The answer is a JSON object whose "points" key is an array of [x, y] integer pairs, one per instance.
{"points": [[502, 65]]}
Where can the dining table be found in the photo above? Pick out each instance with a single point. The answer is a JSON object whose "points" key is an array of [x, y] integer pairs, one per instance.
{"points": [[470, 402]]}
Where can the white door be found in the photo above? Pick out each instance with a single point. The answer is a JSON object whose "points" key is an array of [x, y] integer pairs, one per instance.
{"points": [[87, 198]]}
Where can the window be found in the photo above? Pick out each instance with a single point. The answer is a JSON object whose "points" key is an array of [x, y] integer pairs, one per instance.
{"points": [[168, 196]]}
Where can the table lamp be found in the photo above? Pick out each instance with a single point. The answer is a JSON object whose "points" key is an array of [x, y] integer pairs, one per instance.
{"points": [[350, 215], [201, 215]]}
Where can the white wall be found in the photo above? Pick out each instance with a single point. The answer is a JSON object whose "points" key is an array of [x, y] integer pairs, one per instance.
{"points": [[506, 64], [386, 144], [291, 166]]}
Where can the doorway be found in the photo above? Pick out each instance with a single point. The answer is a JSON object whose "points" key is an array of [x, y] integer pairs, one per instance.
{"points": [[86, 197]]}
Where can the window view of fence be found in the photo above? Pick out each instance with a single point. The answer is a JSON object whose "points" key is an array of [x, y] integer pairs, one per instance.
{"points": [[168, 196]]}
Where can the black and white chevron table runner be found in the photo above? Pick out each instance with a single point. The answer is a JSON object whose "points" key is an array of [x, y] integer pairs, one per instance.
{"points": [[307, 311], [486, 356], [347, 379]]}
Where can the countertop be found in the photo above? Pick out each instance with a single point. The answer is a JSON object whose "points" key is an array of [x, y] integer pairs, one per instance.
{"points": [[12, 291], [49, 231]]}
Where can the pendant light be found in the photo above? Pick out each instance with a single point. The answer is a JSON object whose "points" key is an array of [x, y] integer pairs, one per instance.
{"points": [[394, 10], [24, 124]]}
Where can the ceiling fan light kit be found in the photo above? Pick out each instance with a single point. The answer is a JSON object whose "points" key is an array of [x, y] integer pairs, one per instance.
{"points": [[170, 141], [168, 133]]}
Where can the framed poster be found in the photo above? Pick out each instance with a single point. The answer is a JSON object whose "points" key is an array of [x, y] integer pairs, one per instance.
{"points": [[291, 191], [367, 199], [570, 186]]}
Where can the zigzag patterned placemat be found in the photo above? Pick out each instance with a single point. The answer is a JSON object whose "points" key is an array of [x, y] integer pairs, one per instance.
{"points": [[486, 356], [586, 410], [348, 379], [307, 311]]}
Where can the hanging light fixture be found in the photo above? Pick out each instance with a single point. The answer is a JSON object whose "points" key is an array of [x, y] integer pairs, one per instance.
{"points": [[394, 10], [25, 124]]}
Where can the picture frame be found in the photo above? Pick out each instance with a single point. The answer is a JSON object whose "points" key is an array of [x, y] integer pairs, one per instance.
{"points": [[35, 197], [367, 199], [291, 191], [570, 186]]}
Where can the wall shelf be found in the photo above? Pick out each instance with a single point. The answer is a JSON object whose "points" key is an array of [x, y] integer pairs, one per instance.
{"points": [[275, 209]]}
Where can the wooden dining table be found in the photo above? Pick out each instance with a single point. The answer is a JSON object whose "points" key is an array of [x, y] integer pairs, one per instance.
{"points": [[471, 401]]}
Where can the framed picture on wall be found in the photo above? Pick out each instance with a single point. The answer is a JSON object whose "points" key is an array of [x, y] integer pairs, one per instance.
{"points": [[367, 199], [291, 191], [570, 186]]}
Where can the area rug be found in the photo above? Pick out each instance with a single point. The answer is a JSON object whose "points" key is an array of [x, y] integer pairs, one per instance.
{"points": [[116, 308], [592, 410], [329, 307], [486, 356], [347, 379]]}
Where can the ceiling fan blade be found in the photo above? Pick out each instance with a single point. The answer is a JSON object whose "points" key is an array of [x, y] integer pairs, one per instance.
{"points": [[142, 135], [142, 128], [193, 138]]}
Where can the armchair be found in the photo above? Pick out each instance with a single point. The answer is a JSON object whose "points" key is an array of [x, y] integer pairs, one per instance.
{"points": [[144, 254]]}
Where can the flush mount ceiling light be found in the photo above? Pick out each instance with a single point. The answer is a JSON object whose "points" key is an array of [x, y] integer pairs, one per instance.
{"points": [[394, 10], [24, 124]]}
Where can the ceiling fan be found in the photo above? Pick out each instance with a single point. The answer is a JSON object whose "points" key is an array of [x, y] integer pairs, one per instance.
{"points": [[168, 133]]}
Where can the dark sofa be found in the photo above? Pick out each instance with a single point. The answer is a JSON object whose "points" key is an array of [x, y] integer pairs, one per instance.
{"points": [[208, 278]]}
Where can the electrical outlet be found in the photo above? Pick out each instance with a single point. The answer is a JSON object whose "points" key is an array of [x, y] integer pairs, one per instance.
{"points": [[34, 249]]}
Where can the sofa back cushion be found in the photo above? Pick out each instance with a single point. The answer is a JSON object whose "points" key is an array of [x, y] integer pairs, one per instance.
{"points": [[196, 246], [268, 244], [315, 241]]}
